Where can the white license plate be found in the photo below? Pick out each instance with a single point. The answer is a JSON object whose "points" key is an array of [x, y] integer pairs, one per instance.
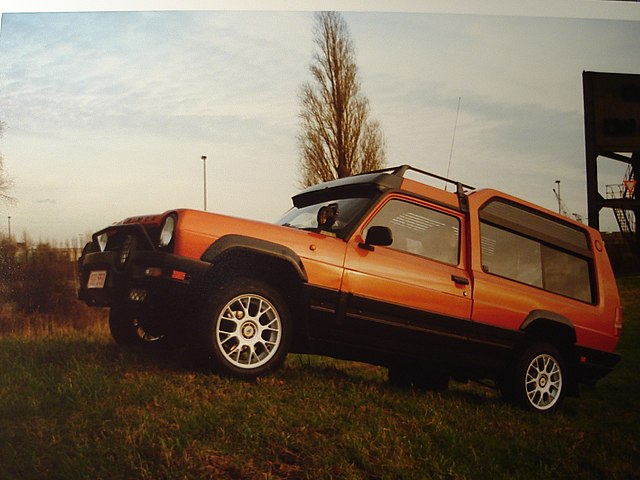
{"points": [[97, 279]]}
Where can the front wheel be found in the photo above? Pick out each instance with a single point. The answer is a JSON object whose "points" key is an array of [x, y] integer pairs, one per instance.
{"points": [[540, 378], [131, 327], [245, 329]]}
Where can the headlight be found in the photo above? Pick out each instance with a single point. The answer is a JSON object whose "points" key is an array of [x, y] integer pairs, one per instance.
{"points": [[168, 228], [102, 241]]}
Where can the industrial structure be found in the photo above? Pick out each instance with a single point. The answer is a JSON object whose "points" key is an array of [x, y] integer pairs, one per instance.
{"points": [[612, 131]]}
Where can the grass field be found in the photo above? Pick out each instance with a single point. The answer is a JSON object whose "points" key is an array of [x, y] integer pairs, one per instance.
{"points": [[74, 406]]}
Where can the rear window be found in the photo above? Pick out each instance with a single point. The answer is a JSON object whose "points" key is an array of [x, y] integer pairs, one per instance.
{"points": [[536, 250]]}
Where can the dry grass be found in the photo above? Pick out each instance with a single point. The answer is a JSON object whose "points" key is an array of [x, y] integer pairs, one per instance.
{"points": [[85, 320]]}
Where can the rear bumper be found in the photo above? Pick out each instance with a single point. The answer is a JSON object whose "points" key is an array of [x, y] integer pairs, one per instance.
{"points": [[150, 278], [594, 364]]}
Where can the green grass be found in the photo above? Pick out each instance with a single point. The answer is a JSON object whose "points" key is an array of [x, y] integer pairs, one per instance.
{"points": [[73, 405]]}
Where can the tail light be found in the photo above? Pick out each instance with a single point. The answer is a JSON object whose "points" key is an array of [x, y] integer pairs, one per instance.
{"points": [[617, 324]]}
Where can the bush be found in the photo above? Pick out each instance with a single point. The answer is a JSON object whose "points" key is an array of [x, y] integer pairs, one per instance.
{"points": [[37, 280], [8, 252]]}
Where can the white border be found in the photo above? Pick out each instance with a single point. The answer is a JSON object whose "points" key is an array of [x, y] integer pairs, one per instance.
{"points": [[596, 9]]}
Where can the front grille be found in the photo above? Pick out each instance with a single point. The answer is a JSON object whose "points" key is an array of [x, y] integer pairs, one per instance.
{"points": [[123, 244], [125, 250]]}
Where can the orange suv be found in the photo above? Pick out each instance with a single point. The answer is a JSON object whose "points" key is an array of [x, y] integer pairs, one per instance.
{"points": [[380, 268]]}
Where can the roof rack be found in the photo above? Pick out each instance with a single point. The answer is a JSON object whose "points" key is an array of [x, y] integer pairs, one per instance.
{"points": [[401, 170], [383, 179]]}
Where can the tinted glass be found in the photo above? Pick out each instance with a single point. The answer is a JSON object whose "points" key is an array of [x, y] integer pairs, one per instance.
{"points": [[421, 231], [516, 257], [511, 256], [347, 210], [536, 225], [566, 274]]}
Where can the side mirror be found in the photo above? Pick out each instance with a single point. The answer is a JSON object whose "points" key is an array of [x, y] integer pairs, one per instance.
{"points": [[377, 235]]}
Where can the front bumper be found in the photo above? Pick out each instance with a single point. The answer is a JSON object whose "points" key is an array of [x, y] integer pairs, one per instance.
{"points": [[149, 278]]}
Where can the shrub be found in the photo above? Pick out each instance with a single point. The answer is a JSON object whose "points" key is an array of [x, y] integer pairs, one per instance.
{"points": [[39, 279]]}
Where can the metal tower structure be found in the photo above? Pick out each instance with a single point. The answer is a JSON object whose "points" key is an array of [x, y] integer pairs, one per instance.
{"points": [[612, 131]]}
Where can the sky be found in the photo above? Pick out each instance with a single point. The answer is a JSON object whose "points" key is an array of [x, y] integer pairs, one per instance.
{"points": [[107, 114]]}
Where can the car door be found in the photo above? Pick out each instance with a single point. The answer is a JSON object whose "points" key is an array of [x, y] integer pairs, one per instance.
{"points": [[415, 293]]}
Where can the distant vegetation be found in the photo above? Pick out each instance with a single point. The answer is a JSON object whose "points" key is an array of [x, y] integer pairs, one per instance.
{"points": [[37, 280]]}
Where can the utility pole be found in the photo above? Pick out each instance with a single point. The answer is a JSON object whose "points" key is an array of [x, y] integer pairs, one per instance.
{"points": [[9, 227], [559, 198], [204, 165]]}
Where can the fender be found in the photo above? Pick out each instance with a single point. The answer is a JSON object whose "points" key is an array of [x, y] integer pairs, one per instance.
{"points": [[233, 243], [548, 316]]}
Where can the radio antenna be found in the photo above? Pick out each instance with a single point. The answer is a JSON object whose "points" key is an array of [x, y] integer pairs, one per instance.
{"points": [[453, 139]]}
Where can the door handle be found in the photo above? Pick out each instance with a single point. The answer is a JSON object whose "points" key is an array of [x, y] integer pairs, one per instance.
{"points": [[460, 280]]}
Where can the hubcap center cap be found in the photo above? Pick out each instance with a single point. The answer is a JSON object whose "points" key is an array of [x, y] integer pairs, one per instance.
{"points": [[543, 381], [249, 330]]}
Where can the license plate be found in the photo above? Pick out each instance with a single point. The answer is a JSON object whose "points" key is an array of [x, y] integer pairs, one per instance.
{"points": [[97, 279]]}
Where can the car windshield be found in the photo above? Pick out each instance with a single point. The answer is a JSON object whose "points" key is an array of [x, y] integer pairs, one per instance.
{"points": [[329, 216]]}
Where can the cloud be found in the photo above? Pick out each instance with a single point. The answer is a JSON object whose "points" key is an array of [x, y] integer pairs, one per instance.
{"points": [[108, 113], [129, 70]]}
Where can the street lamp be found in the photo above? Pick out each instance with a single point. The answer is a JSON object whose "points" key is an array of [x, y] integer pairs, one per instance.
{"points": [[9, 227], [204, 165]]}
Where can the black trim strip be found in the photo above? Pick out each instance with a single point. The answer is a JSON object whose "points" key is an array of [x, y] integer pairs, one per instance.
{"points": [[405, 325], [323, 299], [346, 308]]}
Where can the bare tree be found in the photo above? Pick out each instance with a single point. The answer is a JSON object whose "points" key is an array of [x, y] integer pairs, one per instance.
{"points": [[337, 137], [5, 182]]}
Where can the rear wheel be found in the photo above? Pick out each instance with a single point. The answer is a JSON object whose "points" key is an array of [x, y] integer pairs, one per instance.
{"points": [[245, 329], [539, 381]]}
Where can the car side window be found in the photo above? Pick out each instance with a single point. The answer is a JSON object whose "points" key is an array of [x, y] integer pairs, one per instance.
{"points": [[421, 231], [537, 250]]}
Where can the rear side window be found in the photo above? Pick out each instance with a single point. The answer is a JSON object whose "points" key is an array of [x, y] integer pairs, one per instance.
{"points": [[511, 256], [541, 251]]}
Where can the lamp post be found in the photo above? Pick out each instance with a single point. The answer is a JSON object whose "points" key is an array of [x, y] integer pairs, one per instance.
{"points": [[9, 227], [204, 166]]}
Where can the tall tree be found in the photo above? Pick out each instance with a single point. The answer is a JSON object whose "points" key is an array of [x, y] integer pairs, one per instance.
{"points": [[337, 138], [5, 182]]}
